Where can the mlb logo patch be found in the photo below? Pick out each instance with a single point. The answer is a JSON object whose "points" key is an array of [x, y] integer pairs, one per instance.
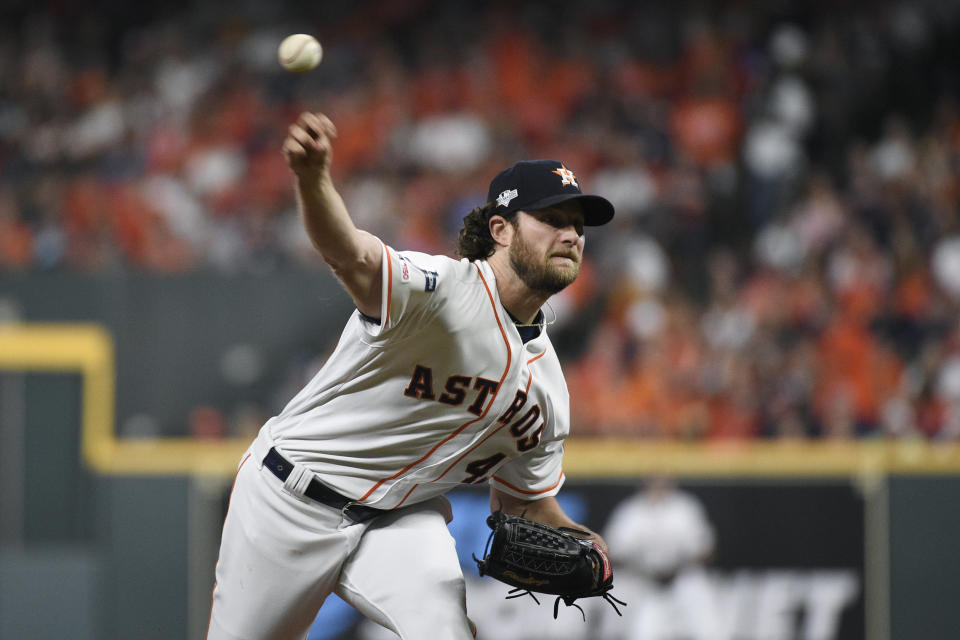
{"points": [[503, 200]]}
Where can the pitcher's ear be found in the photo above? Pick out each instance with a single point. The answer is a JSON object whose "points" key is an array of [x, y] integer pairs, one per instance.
{"points": [[501, 230]]}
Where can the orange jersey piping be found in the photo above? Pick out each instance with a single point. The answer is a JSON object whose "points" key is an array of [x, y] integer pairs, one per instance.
{"points": [[530, 493], [412, 489], [529, 362], [386, 320]]}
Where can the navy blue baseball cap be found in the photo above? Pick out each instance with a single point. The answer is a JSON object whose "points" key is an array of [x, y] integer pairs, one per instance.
{"points": [[537, 184]]}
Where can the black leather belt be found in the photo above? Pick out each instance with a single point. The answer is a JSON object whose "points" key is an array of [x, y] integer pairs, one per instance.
{"points": [[316, 490]]}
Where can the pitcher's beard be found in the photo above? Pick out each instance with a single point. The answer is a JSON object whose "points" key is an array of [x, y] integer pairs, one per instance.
{"points": [[543, 277]]}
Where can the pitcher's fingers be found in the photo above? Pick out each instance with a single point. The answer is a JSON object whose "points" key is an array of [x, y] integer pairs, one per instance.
{"points": [[312, 142], [317, 123], [329, 128], [293, 151]]}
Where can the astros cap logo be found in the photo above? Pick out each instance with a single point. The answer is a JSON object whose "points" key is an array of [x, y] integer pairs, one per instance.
{"points": [[567, 176]]}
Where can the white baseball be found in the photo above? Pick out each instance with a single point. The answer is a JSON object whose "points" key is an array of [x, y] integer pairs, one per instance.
{"points": [[300, 53]]}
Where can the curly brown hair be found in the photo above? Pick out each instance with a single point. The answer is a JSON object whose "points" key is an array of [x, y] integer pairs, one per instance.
{"points": [[474, 241]]}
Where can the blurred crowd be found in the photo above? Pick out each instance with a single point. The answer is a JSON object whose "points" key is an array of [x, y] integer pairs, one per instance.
{"points": [[785, 261]]}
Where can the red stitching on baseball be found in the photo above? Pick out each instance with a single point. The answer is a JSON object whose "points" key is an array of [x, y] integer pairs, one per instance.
{"points": [[296, 53]]}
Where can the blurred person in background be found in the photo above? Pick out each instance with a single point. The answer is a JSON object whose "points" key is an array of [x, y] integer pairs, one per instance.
{"points": [[660, 540]]}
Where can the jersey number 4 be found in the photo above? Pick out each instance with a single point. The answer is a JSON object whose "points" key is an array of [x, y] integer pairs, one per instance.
{"points": [[479, 469]]}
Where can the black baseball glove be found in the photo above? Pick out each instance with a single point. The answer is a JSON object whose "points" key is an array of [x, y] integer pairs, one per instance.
{"points": [[530, 556]]}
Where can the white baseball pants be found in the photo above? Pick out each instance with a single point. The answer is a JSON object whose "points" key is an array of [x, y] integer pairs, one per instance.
{"points": [[281, 556]]}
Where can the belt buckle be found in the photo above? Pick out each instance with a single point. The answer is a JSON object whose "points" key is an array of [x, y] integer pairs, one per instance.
{"points": [[360, 517], [345, 509]]}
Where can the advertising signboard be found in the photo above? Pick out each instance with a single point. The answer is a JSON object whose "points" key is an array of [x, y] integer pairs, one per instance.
{"points": [[715, 559]]}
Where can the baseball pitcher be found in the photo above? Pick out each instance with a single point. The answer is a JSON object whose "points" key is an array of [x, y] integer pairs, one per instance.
{"points": [[444, 375]]}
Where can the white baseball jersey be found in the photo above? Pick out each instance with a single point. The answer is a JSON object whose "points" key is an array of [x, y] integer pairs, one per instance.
{"points": [[442, 391]]}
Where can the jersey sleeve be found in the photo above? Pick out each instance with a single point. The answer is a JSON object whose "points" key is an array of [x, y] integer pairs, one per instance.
{"points": [[536, 474], [412, 285]]}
